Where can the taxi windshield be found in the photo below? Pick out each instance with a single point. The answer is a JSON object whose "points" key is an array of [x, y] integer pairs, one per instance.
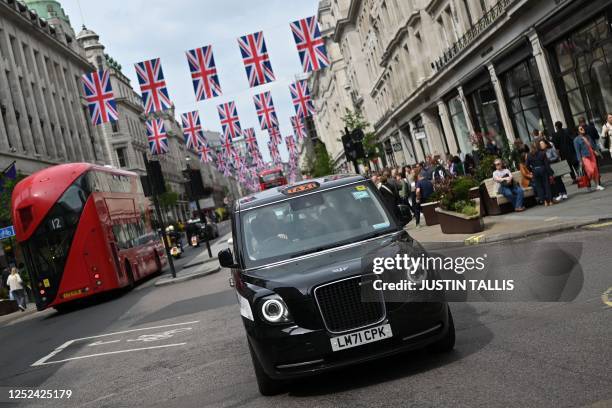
{"points": [[311, 223]]}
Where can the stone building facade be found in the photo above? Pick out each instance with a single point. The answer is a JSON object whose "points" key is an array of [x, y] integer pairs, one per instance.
{"points": [[43, 116], [429, 75]]}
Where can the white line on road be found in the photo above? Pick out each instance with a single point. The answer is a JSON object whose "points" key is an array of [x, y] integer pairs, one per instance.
{"points": [[43, 360], [100, 342], [109, 352]]}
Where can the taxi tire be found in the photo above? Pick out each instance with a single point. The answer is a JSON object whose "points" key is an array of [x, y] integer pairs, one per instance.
{"points": [[267, 386], [447, 343]]}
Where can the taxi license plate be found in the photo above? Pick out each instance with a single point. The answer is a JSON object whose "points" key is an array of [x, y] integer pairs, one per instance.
{"points": [[358, 338]]}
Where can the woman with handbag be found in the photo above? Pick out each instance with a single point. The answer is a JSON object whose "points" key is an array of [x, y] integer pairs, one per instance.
{"points": [[586, 153], [559, 191]]}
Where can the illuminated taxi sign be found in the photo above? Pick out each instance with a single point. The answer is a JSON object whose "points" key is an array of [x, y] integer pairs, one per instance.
{"points": [[301, 188]]}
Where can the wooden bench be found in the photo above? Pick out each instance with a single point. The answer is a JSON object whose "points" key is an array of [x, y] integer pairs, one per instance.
{"points": [[495, 203]]}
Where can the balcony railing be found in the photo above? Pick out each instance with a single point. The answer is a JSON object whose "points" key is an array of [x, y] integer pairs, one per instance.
{"points": [[485, 21]]}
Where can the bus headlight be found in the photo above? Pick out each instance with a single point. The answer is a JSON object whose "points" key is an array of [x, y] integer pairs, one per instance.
{"points": [[274, 310]]}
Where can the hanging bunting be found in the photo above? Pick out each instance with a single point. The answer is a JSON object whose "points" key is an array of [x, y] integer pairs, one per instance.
{"points": [[300, 94], [310, 45], [275, 135], [290, 143], [100, 97], [153, 86], [250, 139], [299, 129], [230, 122], [265, 110], [203, 73], [192, 130], [157, 136], [205, 152], [255, 58]]}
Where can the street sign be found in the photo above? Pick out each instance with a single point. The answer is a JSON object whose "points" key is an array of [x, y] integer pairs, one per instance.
{"points": [[397, 147], [420, 135], [7, 232]]}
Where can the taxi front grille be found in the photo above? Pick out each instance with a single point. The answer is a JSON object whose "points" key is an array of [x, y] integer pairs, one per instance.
{"points": [[343, 310]]}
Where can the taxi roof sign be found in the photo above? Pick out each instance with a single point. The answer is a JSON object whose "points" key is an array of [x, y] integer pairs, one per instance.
{"points": [[301, 188]]}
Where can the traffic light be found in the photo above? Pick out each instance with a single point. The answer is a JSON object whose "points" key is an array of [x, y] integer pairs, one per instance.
{"points": [[157, 179], [194, 184], [353, 146]]}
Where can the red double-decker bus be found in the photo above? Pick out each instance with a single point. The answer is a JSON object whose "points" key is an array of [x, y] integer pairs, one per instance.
{"points": [[84, 229], [271, 178]]}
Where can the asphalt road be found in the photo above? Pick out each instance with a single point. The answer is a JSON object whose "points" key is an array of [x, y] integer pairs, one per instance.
{"points": [[183, 345]]}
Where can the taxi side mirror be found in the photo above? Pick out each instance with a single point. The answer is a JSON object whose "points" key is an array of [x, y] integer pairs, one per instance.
{"points": [[226, 258]]}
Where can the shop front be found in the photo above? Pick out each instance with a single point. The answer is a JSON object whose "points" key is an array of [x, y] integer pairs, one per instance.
{"points": [[579, 44]]}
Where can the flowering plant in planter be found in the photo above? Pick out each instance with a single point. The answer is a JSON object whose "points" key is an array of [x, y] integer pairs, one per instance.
{"points": [[454, 195]]}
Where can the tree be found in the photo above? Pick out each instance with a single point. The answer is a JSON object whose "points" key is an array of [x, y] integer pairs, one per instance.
{"points": [[6, 190], [322, 164]]}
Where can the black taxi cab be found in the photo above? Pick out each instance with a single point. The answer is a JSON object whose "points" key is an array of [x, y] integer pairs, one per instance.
{"points": [[302, 266]]}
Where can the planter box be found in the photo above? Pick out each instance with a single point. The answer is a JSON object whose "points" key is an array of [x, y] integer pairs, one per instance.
{"points": [[429, 212], [8, 306], [456, 223]]}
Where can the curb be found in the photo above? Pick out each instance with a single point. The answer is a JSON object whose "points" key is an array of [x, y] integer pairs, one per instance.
{"points": [[191, 265], [179, 279], [484, 239]]}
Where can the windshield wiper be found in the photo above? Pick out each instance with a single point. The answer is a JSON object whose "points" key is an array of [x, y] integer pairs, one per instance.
{"points": [[317, 249]]}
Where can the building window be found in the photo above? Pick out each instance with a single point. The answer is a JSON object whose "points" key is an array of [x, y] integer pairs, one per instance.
{"points": [[115, 126], [526, 101], [583, 71], [460, 126], [122, 157], [485, 112]]}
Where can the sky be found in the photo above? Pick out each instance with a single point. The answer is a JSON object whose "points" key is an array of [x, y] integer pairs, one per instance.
{"points": [[138, 30]]}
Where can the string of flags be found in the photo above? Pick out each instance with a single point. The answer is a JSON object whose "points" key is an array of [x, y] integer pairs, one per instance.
{"points": [[312, 53]]}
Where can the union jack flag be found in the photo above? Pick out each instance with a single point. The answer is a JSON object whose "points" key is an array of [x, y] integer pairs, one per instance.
{"points": [[220, 162], [250, 139], [290, 142], [203, 73], [256, 60], [157, 136], [310, 45], [153, 86], [274, 153], [192, 130], [265, 110], [230, 122], [205, 152], [301, 98], [299, 129], [100, 98], [275, 135], [226, 146]]}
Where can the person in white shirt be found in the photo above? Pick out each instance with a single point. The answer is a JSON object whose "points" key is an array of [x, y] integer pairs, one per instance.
{"points": [[15, 285], [606, 132]]}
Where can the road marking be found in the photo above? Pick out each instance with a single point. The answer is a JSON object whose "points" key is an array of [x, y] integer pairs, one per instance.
{"points": [[550, 219], [100, 342], [475, 239], [43, 360], [107, 353], [159, 336], [606, 297], [600, 225]]}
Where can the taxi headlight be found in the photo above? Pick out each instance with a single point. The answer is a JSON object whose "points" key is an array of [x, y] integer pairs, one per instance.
{"points": [[274, 310]]}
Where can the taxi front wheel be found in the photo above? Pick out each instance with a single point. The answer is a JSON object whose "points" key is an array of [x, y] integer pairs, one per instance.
{"points": [[447, 343], [267, 386]]}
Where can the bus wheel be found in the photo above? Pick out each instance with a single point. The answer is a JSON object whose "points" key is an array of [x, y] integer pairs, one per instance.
{"points": [[130, 275]]}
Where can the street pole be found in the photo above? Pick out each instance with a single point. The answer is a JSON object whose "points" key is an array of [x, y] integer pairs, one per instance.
{"points": [[159, 216], [202, 216]]}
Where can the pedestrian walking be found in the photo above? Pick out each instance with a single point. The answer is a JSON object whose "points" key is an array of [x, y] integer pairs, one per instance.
{"points": [[15, 285], [537, 163], [424, 189], [389, 192], [606, 132], [559, 191], [586, 153], [564, 142]]}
